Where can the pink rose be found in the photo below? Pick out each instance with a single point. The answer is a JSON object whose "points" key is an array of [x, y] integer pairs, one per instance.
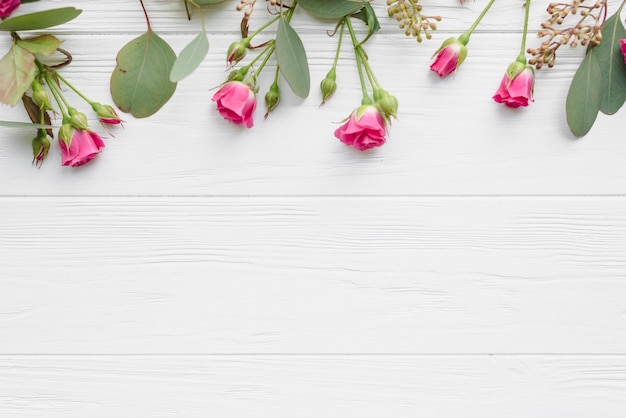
{"points": [[450, 56], [236, 103], [623, 44], [364, 129], [7, 7], [84, 146], [518, 91]]}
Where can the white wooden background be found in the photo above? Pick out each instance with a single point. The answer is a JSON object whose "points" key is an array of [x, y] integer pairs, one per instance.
{"points": [[473, 266]]}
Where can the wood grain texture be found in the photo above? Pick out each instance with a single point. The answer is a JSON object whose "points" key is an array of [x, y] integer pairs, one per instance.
{"points": [[313, 386], [333, 275]]}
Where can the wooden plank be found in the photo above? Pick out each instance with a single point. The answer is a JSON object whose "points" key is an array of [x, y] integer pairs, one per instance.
{"points": [[310, 386], [312, 275], [444, 143]]}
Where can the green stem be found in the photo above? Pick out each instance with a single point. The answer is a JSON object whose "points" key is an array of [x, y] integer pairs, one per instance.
{"points": [[57, 97], [267, 48], [264, 26], [522, 52], [359, 64], [267, 57], [343, 25], [82, 96], [368, 69], [199, 10], [464, 39]]}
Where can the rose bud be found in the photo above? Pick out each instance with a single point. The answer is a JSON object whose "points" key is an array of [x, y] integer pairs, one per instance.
{"points": [[364, 129], [236, 102], [7, 7], [450, 56], [272, 98], [516, 87], [328, 85]]}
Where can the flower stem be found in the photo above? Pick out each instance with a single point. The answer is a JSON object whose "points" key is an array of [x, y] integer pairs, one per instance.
{"points": [[82, 96], [58, 97], [268, 47], [464, 39], [270, 50], [199, 10], [145, 12], [359, 63], [522, 52], [343, 25], [264, 26]]}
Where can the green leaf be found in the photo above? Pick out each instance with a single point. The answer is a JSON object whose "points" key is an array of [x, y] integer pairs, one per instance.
{"points": [[368, 15], [190, 57], [43, 45], [17, 72], [292, 60], [10, 124], [332, 9], [140, 83], [40, 20], [611, 61], [585, 95]]}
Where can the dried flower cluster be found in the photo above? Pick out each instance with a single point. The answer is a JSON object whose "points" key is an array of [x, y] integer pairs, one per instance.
{"points": [[584, 29], [409, 14]]}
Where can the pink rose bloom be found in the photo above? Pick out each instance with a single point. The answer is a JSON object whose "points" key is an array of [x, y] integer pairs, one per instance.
{"points": [[518, 91], [236, 103], [85, 145], [7, 7], [623, 44], [450, 56], [364, 129]]}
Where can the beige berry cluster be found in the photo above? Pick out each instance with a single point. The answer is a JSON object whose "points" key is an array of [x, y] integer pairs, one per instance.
{"points": [[409, 15]]}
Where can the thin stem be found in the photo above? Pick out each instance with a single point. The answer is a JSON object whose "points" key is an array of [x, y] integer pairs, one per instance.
{"points": [[343, 25], [269, 46], [270, 50], [57, 96], [200, 10], [145, 12], [355, 43], [265, 25], [368, 69], [522, 51], [82, 96], [467, 34]]}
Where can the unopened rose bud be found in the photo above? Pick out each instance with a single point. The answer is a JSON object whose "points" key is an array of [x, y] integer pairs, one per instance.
{"points": [[41, 146], [328, 85], [41, 97], [78, 120], [388, 105], [514, 69], [237, 51], [272, 98], [106, 114], [66, 131]]}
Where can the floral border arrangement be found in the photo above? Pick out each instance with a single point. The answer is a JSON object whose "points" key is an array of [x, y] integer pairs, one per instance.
{"points": [[148, 69]]}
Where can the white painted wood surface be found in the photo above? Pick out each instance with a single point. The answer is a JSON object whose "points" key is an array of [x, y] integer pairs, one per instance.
{"points": [[475, 265]]}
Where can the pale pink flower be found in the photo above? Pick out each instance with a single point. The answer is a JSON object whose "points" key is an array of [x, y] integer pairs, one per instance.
{"points": [[623, 44], [364, 129], [7, 7], [518, 91], [236, 103], [84, 146], [450, 56]]}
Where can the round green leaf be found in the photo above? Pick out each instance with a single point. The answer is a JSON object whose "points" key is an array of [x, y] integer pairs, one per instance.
{"points": [[331, 9], [140, 83]]}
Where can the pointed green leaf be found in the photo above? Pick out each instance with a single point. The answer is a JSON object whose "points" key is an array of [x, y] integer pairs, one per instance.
{"points": [[584, 96], [190, 57], [10, 124], [292, 59], [140, 83], [40, 20], [17, 72], [611, 61], [368, 15], [43, 45], [331, 9]]}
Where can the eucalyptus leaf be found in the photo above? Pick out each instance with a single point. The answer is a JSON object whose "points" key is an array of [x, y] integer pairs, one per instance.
{"points": [[140, 83], [10, 124], [331, 9], [40, 20], [43, 45], [585, 95], [611, 61], [368, 15], [292, 59], [190, 57], [17, 72]]}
